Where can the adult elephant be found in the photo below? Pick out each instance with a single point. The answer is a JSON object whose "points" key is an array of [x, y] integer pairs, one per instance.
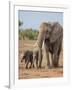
{"points": [[51, 34]]}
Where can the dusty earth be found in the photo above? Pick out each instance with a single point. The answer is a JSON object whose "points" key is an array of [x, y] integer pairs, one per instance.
{"points": [[44, 72]]}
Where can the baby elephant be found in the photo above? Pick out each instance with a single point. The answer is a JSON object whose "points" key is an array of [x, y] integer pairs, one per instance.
{"points": [[28, 57]]}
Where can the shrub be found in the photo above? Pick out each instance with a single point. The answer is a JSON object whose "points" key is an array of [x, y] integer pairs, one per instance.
{"points": [[28, 33]]}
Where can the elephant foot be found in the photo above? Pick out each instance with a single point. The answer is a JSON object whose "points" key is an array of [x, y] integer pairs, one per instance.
{"points": [[26, 67], [39, 67], [49, 67], [55, 65], [30, 67]]}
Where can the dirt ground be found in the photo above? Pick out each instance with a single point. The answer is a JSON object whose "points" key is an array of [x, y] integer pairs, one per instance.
{"points": [[44, 72]]}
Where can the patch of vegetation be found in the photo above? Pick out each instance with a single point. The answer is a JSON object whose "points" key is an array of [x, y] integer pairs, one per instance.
{"points": [[28, 34]]}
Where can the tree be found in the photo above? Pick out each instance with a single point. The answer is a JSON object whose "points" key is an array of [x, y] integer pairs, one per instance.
{"points": [[20, 23]]}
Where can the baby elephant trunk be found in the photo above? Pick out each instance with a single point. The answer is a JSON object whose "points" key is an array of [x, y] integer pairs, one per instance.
{"points": [[22, 58]]}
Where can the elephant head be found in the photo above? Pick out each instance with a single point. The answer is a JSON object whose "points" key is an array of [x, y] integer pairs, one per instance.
{"points": [[53, 31]]}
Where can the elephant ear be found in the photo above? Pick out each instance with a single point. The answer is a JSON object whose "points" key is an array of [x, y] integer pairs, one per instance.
{"points": [[56, 33]]}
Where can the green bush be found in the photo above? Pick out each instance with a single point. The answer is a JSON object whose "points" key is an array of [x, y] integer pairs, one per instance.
{"points": [[28, 33]]}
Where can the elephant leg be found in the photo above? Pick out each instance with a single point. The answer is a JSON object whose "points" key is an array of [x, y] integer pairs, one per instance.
{"points": [[56, 56], [40, 59], [37, 63], [31, 64], [48, 61], [27, 62], [47, 56], [52, 59], [55, 60]]}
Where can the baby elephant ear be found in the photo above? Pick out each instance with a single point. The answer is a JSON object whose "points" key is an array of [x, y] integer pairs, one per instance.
{"points": [[57, 32]]}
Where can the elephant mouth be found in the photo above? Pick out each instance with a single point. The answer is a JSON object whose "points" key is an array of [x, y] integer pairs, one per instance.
{"points": [[47, 40]]}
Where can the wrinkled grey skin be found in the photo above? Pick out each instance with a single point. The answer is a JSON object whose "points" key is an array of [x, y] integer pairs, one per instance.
{"points": [[52, 34]]}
